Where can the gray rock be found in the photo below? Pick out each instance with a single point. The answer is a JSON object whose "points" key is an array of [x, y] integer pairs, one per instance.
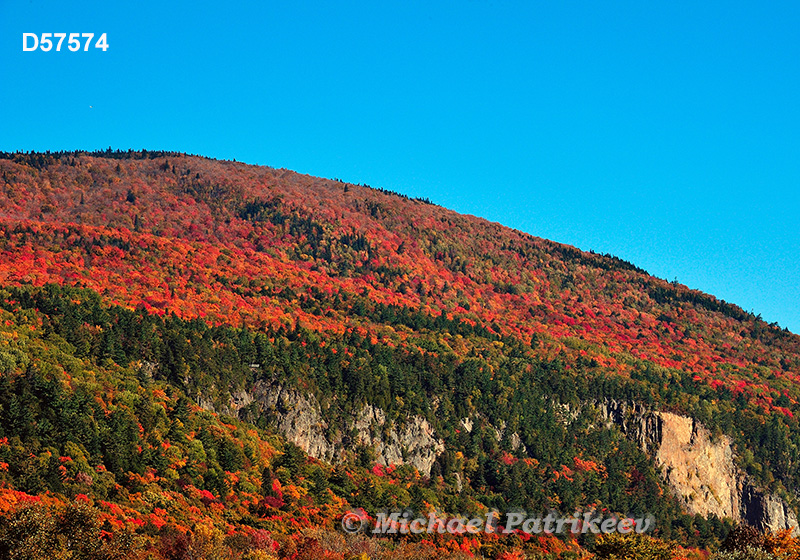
{"points": [[298, 417]]}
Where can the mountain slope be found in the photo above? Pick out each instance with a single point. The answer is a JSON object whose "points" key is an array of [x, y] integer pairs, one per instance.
{"points": [[390, 316], [284, 230], [244, 232]]}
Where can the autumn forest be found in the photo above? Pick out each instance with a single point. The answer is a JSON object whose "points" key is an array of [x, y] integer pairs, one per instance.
{"points": [[163, 317]]}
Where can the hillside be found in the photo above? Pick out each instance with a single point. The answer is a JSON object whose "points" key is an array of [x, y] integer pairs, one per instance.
{"points": [[160, 306]]}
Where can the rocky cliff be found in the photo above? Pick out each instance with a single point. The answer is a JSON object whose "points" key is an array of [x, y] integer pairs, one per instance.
{"points": [[414, 442], [299, 417], [699, 469]]}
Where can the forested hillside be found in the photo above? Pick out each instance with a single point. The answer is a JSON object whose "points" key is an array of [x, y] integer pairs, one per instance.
{"points": [[153, 305]]}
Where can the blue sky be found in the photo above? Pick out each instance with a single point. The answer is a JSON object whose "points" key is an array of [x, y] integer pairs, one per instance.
{"points": [[666, 133]]}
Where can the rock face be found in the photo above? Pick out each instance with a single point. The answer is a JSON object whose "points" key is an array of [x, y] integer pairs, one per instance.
{"points": [[766, 511], [700, 470], [299, 417], [414, 443]]}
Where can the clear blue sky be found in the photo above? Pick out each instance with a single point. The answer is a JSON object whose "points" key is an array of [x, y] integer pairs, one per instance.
{"points": [[666, 133]]}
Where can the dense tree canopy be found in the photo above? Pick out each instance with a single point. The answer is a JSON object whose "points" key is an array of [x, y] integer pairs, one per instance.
{"points": [[138, 286]]}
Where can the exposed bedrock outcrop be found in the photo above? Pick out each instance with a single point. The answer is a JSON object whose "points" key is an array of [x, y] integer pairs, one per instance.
{"points": [[414, 443], [699, 469], [298, 416]]}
